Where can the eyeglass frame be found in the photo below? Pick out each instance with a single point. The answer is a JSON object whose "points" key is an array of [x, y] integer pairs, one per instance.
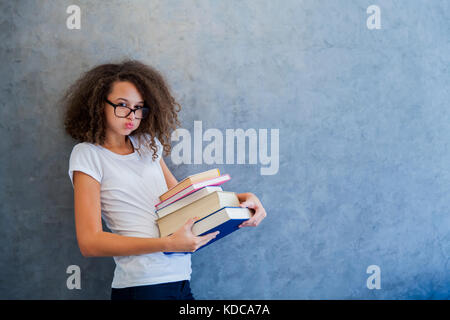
{"points": [[131, 110]]}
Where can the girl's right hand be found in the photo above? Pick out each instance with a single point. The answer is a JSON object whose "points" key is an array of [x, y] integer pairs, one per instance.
{"points": [[183, 240]]}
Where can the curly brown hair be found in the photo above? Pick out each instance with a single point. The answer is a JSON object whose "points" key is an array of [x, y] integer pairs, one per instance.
{"points": [[84, 102]]}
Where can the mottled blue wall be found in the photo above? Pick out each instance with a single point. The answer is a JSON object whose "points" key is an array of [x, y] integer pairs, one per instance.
{"points": [[364, 129]]}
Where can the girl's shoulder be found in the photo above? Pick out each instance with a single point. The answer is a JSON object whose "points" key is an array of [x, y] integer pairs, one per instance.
{"points": [[85, 148]]}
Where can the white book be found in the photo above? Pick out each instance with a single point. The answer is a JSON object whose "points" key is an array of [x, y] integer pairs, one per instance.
{"points": [[196, 195], [220, 219], [192, 188]]}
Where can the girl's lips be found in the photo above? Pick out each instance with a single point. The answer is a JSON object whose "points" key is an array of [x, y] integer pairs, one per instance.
{"points": [[129, 125]]}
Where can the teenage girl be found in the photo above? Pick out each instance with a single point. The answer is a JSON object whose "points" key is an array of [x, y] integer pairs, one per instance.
{"points": [[123, 116]]}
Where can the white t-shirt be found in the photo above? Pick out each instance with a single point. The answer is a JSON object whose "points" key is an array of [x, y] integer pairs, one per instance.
{"points": [[130, 187]]}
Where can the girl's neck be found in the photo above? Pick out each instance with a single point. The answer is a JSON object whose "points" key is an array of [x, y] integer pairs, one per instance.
{"points": [[119, 146]]}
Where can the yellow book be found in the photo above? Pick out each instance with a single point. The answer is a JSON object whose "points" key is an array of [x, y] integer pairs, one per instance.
{"points": [[199, 208]]}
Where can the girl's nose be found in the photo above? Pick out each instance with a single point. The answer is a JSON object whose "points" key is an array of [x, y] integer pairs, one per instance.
{"points": [[131, 116]]}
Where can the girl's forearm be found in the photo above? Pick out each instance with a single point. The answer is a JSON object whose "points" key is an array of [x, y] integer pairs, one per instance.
{"points": [[107, 244], [171, 181]]}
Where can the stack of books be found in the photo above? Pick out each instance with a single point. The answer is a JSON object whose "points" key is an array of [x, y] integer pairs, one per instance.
{"points": [[201, 196]]}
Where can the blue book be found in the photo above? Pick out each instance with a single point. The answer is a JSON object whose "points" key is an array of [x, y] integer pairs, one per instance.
{"points": [[226, 220]]}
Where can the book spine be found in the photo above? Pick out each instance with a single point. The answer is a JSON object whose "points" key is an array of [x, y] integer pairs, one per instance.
{"points": [[177, 196], [207, 175], [187, 200], [174, 197]]}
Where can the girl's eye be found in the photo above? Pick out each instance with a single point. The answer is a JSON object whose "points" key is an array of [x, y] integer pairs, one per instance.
{"points": [[125, 105]]}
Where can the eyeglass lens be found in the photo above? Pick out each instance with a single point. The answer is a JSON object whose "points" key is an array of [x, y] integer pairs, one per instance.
{"points": [[124, 112]]}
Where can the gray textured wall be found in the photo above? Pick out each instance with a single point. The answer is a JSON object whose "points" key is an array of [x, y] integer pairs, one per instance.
{"points": [[364, 131]]}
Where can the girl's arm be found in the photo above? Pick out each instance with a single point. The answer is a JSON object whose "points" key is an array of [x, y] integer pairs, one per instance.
{"points": [[94, 242], [170, 179]]}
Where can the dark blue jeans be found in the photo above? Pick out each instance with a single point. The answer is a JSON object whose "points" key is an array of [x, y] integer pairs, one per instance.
{"points": [[179, 290]]}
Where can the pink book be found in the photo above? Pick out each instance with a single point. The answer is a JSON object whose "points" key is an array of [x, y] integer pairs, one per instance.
{"points": [[192, 188]]}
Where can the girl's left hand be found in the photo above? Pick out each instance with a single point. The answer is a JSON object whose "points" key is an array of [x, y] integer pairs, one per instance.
{"points": [[251, 201]]}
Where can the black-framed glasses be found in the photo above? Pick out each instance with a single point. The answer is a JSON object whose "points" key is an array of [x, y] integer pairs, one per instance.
{"points": [[121, 110]]}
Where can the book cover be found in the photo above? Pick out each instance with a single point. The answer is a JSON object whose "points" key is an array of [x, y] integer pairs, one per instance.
{"points": [[192, 188], [199, 208], [192, 179], [184, 201]]}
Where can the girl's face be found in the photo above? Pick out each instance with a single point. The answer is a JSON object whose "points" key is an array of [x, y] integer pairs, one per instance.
{"points": [[123, 93]]}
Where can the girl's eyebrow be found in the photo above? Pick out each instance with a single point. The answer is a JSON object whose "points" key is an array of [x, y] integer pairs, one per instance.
{"points": [[127, 100]]}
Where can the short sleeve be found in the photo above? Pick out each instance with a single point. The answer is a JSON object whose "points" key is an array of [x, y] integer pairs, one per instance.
{"points": [[83, 158]]}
